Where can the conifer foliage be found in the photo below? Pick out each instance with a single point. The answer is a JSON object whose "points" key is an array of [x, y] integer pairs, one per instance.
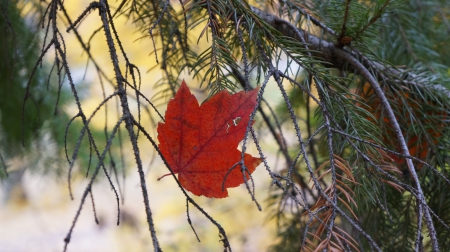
{"points": [[365, 94]]}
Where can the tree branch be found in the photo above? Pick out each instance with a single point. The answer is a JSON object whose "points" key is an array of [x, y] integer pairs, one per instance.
{"points": [[128, 120], [326, 51], [401, 139]]}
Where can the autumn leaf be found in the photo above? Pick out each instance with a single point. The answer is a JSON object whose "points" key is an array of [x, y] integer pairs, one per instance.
{"points": [[200, 142]]}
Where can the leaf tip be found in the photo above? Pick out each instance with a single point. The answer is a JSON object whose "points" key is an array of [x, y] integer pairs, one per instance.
{"points": [[183, 82]]}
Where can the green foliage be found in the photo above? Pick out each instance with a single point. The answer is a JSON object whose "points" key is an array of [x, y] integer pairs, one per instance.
{"points": [[19, 53], [32, 109]]}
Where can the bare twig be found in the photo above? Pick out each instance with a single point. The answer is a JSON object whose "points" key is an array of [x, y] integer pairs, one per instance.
{"points": [[128, 120]]}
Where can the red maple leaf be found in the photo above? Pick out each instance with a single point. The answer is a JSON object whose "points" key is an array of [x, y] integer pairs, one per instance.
{"points": [[200, 142]]}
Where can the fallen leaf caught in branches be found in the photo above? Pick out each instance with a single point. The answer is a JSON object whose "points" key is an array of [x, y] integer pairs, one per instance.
{"points": [[200, 142]]}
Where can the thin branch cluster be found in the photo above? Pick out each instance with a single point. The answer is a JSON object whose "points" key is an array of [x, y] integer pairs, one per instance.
{"points": [[369, 165]]}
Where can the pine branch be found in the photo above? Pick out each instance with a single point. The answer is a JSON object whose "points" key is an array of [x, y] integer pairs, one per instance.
{"points": [[327, 51], [393, 120]]}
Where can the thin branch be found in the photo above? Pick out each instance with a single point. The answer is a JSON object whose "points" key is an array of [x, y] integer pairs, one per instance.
{"points": [[401, 139], [374, 18], [344, 22], [155, 146], [91, 182], [128, 120], [278, 138]]}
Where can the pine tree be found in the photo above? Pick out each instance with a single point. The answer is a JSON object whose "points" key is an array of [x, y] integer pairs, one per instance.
{"points": [[365, 90]]}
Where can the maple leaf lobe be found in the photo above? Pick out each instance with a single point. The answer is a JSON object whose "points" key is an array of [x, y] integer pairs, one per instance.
{"points": [[200, 142]]}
